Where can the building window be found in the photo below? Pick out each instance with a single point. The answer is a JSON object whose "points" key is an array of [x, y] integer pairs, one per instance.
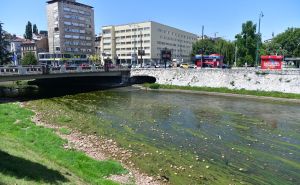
{"points": [[74, 11], [67, 9], [67, 23], [106, 31], [68, 36]]}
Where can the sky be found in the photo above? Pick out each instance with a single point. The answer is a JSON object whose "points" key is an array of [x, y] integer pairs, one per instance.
{"points": [[221, 18]]}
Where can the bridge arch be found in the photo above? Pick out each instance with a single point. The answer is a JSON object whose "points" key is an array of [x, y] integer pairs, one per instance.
{"points": [[140, 79]]}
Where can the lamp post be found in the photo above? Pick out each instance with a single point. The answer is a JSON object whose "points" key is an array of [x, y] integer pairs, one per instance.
{"points": [[261, 15], [1, 32]]}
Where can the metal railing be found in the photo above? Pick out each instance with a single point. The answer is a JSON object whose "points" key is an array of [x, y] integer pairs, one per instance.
{"points": [[40, 70]]}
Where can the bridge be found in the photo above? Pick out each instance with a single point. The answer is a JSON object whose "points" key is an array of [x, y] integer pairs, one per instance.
{"points": [[42, 72]]}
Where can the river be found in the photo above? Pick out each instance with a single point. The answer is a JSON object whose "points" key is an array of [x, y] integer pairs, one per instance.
{"points": [[198, 139]]}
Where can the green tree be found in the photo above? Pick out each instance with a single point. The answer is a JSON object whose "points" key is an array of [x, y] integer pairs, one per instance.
{"points": [[289, 41], [208, 46], [5, 55], [246, 42], [95, 59], [28, 31], [211, 46], [226, 49], [29, 59], [272, 48], [35, 29]]}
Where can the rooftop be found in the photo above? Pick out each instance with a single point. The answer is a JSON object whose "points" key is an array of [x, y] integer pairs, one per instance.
{"points": [[69, 2], [150, 22]]}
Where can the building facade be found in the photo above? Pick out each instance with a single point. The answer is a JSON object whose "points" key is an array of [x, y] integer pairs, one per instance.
{"points": [[122, 42], [98, 49], [15, 49], [34, 46], [70, 27]]}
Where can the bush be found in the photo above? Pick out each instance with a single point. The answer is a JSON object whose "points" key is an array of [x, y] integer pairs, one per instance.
{"points": [[154, 86], [29, 59]]}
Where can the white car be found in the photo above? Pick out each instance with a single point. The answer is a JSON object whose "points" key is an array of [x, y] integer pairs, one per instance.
{"points": [[193, 66]]}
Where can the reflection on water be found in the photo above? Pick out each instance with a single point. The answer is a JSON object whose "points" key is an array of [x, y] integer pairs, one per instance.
{"points": [[216, 140]]}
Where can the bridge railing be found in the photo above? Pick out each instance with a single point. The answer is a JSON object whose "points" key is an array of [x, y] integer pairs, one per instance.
{"points": [[38, 70], [20, 70]]}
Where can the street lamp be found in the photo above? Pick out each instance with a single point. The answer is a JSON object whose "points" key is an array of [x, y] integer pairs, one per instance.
{"points": [[261, 15]]}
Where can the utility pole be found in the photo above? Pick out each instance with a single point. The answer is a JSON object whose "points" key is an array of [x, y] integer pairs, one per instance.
{"points": [[261, 15], [1, 32], [1, 43], [141, 51], [135, 47], [235, 55], [202, 50]]}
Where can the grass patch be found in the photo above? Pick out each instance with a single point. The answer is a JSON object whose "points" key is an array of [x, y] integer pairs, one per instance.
{"points": [[65, 131], [232, 91], [152, 86], [35, 155]]}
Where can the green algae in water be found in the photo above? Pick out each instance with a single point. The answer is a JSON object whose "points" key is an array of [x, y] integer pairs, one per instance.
{"points": [[193, 139]]}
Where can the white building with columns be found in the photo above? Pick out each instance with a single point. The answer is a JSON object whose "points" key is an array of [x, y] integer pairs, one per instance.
{"points": [[122, 42]]}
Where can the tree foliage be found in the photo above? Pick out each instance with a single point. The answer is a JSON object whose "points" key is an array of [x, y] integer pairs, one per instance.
{"points": [[212, 46], [95, 59], [272, 48], [28, 31], [246, 42], [207, 45], [35, 29], [29, 59], [5, 55], [289, 41]]}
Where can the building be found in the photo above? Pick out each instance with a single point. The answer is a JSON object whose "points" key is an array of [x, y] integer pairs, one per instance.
{"points": [[15, 49], [34, 46], [122, 42], [70, 27], [98, 40]]}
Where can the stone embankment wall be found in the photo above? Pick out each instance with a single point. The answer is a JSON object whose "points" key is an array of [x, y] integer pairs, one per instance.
{"points": [[287, 81]]}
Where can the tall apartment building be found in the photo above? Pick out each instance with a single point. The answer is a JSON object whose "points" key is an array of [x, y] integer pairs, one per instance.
{"points": [[70, 27], [123, 42]]}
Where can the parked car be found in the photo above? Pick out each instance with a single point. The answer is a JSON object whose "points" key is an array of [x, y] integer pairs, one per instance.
{"points": [[147, 66], [157, 66], [184, 65], [225, 66], [193, 66]]}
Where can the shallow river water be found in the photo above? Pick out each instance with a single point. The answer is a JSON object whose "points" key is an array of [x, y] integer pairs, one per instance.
{"points": [[199, 139]]}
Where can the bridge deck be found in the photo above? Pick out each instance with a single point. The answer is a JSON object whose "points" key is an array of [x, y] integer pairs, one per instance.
{"points": [[41, 72]]}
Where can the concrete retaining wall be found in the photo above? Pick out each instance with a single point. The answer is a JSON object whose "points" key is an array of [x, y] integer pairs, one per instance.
{"points": [[287, 81]]}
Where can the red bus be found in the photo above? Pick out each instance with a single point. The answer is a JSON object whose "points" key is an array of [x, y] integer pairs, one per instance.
{"points": [[212, 61]]}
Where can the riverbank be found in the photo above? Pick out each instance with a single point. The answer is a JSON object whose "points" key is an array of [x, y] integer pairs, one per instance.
{"points": [[186, 139], [33, 152], [99, 148], [259, 95]]}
